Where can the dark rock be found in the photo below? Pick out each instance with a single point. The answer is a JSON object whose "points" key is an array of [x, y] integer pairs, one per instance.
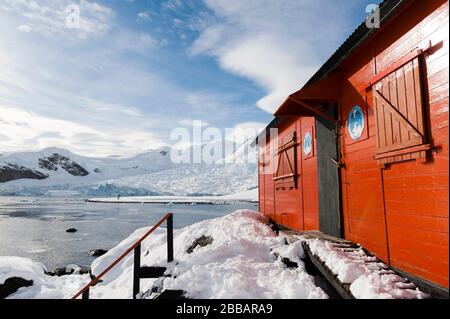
{"points": [[274, 226], [11, 285], [71, 230], [47, 164], [60, 271], [289, 263], [97, 252], [97, 170], [163, 153], [69, 270], [202, 242], [10, 172], [56, 160]]}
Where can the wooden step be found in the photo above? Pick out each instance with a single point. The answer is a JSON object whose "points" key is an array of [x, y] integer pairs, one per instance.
{"points": [[151, 272], [171, 294]]}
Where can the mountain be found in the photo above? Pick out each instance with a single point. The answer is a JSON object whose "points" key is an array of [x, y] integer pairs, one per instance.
{"points": [[56, 171]]}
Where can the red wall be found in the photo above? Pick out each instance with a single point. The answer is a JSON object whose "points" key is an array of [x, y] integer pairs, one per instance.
{"points": [[295, 208], [308, 178], [400, 212]]}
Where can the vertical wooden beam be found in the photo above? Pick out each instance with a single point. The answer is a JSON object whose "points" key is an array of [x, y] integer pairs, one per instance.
{"points": [[137, 270], [294, 139], [170, 238], [85, 294]]}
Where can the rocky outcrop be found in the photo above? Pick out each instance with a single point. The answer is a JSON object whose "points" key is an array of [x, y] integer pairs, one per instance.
{"points": [[71, 230], [55, 161], [11, 285], [10, 172], [69, 270], [201, 241]]}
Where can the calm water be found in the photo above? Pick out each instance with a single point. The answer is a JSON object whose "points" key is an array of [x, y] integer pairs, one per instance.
{"points": [[35, 227]]}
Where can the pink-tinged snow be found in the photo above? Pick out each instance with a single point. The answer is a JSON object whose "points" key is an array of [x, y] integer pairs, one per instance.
{"points": [[368, 278], [238, 264], [247, 196], [44, 287]]}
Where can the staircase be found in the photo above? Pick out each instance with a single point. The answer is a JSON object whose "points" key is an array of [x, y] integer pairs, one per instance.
{"points": [[140, 272]]}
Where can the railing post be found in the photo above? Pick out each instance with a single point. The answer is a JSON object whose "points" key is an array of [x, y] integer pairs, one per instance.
{"points": [[85, 294], [170, 238], [137, 270]]}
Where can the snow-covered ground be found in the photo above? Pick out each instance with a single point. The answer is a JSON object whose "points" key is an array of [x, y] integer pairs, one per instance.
{"points": [[244, 260], [246, 196], [196, 179], [240, 263], [151, 173]]}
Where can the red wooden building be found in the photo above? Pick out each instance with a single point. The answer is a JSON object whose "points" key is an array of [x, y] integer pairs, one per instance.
{"points": [[362, 149]]}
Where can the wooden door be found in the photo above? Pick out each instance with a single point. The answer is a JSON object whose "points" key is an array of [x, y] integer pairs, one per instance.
{"points": [[328, 174]]}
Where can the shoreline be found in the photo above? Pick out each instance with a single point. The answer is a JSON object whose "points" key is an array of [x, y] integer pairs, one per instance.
{"points": [[250, 196], [175, 202]]}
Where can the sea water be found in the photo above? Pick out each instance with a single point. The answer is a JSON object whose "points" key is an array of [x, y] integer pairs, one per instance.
{"points": [[35, 227]]}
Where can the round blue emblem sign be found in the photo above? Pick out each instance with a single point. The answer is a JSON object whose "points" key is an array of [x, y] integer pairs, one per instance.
{"points": [[356, 122], [307, 144]]}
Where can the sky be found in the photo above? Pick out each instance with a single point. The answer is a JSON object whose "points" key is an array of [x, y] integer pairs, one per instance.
{"points": [[131, 71]]}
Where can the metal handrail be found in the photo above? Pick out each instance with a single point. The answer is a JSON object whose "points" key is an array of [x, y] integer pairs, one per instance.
{"points": [[169, 217]]}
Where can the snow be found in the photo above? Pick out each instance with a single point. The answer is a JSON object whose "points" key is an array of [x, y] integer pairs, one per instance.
{"points": [[204, 179], [368, 277], [240, 263], [27, 269], [246, 196], [151, 173], [294, 252], [388, 286], [244, 260]]}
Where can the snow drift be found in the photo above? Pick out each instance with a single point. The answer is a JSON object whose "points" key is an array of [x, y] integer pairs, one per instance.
{"points": [[239, 263]]}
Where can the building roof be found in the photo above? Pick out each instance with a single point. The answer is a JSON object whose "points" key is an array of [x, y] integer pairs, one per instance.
{"points": [[358, 37]]}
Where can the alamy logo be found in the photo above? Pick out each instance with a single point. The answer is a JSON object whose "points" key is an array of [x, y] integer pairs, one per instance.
{"points": [[373, 19], [72, 16]]}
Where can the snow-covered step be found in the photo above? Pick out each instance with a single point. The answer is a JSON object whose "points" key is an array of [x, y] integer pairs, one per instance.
{"points": [[356, 273], [352, 270]]}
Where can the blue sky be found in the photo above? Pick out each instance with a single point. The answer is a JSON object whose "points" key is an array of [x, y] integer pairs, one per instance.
{"points": [[136, 69]]}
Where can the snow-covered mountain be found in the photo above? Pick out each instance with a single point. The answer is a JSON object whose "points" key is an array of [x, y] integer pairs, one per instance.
{"points": [[55, 170]]}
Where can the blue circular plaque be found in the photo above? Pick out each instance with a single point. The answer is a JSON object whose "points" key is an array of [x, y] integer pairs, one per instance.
{"points": [[356, 122], [307, 144]]}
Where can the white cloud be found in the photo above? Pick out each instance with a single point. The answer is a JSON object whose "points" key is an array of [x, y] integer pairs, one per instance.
{"points": [[245, 132], [22, 129], [94, 91], [144, 15], [49, 17], [276, 44], [24, 28]]}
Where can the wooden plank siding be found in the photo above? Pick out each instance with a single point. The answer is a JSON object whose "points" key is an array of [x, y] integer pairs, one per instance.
{"points": [[401, 211], [287, 197], [309, 182], [292, 207]]}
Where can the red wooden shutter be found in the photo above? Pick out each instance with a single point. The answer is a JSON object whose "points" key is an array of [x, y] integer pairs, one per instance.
{"points": [[399, 115], [286, 172]]}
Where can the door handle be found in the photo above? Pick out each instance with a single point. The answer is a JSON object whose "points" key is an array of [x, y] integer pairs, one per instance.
{"points": [[338, 164]]}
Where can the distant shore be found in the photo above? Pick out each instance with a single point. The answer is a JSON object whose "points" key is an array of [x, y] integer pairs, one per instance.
{"points": [[250, 196]]}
